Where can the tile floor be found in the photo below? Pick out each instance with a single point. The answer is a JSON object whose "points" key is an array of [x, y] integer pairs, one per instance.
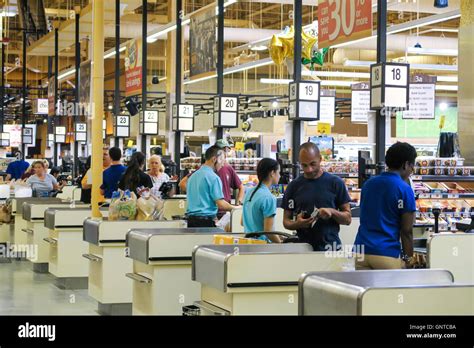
{"points": [[23, 292]]}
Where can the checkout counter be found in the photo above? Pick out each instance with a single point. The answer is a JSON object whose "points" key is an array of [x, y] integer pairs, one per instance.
{"points": [[66, 247], [174, 206], [385, 292], [450, 251], [108, 265], [256, 279], [36, 232], [161, 274], [70, 192], [18, 237]]}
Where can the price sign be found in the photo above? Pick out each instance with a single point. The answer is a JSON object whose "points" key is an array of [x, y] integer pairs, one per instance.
{"points": [[343, 20], [324, 128]]}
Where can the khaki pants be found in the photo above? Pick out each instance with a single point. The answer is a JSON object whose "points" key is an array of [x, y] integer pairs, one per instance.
{"points": [[367, 262]]}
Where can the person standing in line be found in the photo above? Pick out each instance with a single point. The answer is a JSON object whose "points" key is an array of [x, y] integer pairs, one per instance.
{"points": [[17, 168], [387, 214], [259, 208], [111, 176], [204, 191], [134, 177], [230, 179], [313, 191], [156, 171]]}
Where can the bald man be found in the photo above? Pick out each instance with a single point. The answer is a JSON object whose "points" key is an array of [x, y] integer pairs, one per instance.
{"points": [[316, 189]]}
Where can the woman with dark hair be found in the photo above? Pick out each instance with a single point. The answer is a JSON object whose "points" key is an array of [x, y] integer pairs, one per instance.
{"points": [[134, 177], [259, 206], [86, 183]]}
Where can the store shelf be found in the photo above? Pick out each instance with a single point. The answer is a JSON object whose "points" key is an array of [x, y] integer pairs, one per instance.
{"points": [[246, 172], [443, 178], [446, 195]]}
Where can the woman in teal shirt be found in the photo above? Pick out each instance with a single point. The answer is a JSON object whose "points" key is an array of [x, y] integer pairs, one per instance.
{"points": [[259, 206]]}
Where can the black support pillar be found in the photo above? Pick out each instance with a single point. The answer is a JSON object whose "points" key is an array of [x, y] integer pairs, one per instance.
{"points": [[298, 24], [23, 104], [144, 65], [178, 75], [56, 90], [220, 56], [76, 95], [381, 58], [117, 64]]}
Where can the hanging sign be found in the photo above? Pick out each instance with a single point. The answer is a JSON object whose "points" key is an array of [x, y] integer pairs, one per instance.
{"points": [[104, 129], [81, 132], [122, 126], [133, 68], [389, 87], [41, 106], [27, 135], [422, 98], [327, 111], [59, 134], [360, 103], [183, 118], [304, 101], [4, 139], [149, 122], [226, 111], [343, 20]]}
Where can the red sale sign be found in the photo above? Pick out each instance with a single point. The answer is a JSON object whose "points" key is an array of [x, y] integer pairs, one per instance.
{"points": [[343, 20]]}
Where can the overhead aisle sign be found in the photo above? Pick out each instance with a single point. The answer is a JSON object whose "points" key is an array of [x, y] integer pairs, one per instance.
{"points": [[390, 85], [422, 98], [360, 103], [226, 111], [343, 20]]}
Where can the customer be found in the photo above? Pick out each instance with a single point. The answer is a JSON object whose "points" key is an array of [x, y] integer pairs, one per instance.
{"points": [[111, 176], [106, 160], [134, 177], [17, 168], [41, 182], [55, 172], [260, 204], [387, 213], [86, 188], [204, 190], [156, 171], [316, 189], [229, 178]]}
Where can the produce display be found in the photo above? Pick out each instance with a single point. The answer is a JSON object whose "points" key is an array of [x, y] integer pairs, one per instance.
{"points": [[190, 163], [247, 164]]}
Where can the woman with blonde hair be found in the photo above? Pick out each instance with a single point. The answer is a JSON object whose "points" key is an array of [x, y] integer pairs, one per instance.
{"points": [[156, 171], [41, 182]]}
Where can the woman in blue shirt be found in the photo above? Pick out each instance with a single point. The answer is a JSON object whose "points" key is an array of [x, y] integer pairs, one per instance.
{"points": [[259, 206]]}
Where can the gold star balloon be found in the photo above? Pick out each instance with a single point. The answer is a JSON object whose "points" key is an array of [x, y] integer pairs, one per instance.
{"points": [[308, 41], [281, 46]]}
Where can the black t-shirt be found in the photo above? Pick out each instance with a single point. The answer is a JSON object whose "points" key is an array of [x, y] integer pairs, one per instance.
{"points": [[328, 191], [145, 181]]}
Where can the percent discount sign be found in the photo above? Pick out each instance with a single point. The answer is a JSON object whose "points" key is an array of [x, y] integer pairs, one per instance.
{"points": [[343, 20]]}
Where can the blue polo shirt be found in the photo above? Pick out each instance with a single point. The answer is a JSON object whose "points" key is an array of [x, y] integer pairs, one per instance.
{"points": [[17, 168], [203, 189], [263, 205], [384, 199], [110, 179]]}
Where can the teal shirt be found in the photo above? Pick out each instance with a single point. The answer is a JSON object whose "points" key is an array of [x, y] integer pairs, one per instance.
{"points": [[203, 189], [263, 205]]}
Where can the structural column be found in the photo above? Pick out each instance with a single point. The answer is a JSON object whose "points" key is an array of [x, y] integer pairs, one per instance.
{"points": [[380, 115], [97, 102], [297, 125], [466, 84]]}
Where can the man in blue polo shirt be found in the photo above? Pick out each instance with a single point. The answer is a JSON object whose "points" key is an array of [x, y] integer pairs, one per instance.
{"points": [[16, 169], [111, 176], [387, 213], [204, 191]]}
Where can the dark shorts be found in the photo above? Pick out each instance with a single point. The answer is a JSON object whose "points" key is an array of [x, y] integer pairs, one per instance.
{"points": [[201, 221]]}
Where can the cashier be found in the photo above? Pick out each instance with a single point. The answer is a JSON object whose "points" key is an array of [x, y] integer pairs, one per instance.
{"points": [[321, 190], [204, 191], [387, 214]]}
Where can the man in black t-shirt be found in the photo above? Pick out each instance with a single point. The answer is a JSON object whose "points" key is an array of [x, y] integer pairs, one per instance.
{"points": [[316, 189]]}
